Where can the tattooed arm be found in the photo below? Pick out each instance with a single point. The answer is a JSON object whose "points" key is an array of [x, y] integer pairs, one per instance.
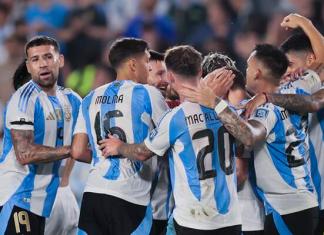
{"points": [[28, 152], [299, 103], [114, 146]]}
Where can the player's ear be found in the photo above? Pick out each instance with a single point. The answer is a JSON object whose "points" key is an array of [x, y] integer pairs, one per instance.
{"points": [[310, 59], [257, 74], [61, 58], [131, 63]]}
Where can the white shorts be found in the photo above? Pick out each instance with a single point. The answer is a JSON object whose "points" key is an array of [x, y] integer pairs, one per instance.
{"points": [[65, 214]]}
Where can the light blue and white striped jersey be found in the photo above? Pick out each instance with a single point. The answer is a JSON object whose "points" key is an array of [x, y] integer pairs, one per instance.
{"points": [[128, 110], [308, 84], [52, 119], [202, 166], [280, 162]]}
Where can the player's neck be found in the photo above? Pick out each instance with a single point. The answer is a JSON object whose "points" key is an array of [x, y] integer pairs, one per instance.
{"points": [[268, 88], [124, 75]]}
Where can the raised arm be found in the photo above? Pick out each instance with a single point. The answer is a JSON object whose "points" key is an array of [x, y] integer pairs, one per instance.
{"points": [[28, 152], [315, 37]]}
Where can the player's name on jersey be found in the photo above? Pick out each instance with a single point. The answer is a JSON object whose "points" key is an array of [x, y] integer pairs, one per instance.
{"points": [[104, 99], [200, 117]]}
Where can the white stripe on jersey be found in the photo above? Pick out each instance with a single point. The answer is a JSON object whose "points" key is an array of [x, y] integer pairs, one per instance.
{"points": [[128, 110], [33, 186]]}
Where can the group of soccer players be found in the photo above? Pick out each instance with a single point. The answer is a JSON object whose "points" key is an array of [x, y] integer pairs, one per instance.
{"points": [[175, 143]]}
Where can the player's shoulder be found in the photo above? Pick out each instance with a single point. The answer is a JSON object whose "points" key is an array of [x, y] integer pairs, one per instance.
{"points": [[69, 92], [25, 94]]}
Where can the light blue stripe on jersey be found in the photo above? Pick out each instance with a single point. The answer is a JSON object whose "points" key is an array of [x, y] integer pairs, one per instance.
{"points": [[316, 177], [187, 156], [7, 142], [75, 104], [85, 111], [5, 216], [167, 206], [146, 224], [280, 224], [23, 94], [277, 152], [171, 168], [221, 192], [140, 130], [39, 126], [51, 188], [112, 90]]}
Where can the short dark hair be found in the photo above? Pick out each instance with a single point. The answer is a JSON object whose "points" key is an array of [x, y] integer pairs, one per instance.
{"points": [[21, 75], [154, 55], [40, 41], [214, 61], [183, 60], [123, 48], [297, 42], [273, 58]]}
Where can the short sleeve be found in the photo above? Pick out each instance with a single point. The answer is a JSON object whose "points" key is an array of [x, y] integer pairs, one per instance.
{"points": [[309, 82], [80, 126], [158, 104], [20, 112], [158, 140], [266, 116]]}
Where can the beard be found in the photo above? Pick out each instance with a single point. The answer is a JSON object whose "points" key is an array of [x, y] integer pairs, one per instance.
{"points": [[47, 82]]}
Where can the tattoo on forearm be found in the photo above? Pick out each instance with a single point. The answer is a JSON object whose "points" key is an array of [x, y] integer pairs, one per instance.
{"points": [[28, 152], [135, 151], [293, 102]]}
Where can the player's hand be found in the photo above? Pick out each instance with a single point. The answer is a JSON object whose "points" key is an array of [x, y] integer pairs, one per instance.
{"points": [[253, 104], [202, 94], [219, 81], [293, 21], [293, 76], [109, 147]]}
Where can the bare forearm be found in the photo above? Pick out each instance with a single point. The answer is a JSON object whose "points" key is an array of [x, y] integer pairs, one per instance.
{"points": [[67, 172], [135, 151], [43, 154], [296, 103]]}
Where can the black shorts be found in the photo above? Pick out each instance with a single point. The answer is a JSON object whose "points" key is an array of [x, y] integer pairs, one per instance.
{"points": [[232, 230], [298, 223], [104, 214], [159, 227], [320, 227], [24, 222]]}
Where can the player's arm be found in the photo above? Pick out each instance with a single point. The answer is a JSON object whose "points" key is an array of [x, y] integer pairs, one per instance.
{"points": [[113, 146], [294, 102], [28, 152], [67, 172], [315, 37], [79, 149], [241, 172]]}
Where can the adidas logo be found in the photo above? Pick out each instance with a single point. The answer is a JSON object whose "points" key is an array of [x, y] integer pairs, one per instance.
{"points": [[50, 116]]}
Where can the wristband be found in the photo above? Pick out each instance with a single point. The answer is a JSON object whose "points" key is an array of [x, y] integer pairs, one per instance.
{"points": [[266, 97], [220, 107]]}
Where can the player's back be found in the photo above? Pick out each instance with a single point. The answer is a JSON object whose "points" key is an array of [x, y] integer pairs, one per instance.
{"points": [[127, 110], [202, 167], [280, 162]]}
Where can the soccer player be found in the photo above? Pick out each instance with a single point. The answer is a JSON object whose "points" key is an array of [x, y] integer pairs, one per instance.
{"points": [[39, 121], [280, 147], [161, 195], [65, 212], [304, 50], [201, 154], [117, 193], [252, 211]]}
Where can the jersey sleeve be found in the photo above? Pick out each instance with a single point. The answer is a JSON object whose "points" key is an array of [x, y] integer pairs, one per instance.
{"points": [[266, 116], [158, 140], [18, 116], [158, 104], [80, 126]]}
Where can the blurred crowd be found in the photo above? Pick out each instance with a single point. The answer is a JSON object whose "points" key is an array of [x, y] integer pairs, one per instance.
{"points": [[85, 29]]}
